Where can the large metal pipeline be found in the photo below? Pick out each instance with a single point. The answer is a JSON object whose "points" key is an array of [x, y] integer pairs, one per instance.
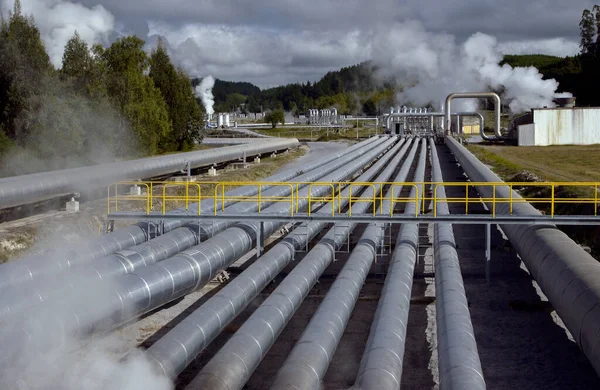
{"points": [[173, 352], [308, 362], [15, 300], [458, 358], [382, 361], [566, 273], [138, 293], [475, 95], [31, 188], [231, 367], [52, 262]]}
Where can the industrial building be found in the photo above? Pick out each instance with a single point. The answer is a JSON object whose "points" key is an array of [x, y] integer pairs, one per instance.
{"points": [[565, 124]]}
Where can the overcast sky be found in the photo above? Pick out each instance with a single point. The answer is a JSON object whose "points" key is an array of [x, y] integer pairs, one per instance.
{"points": [[270, 42]]}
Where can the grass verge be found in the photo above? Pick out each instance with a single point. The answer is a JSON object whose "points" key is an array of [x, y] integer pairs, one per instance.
{"points": [[556, 163]]}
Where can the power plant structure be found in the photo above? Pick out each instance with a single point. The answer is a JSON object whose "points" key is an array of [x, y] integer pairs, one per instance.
{"points": [[324, 117], [221, 121], [399, 261]]}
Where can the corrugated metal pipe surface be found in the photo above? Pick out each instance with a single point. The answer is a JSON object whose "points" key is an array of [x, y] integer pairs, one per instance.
{"points": [[14, 300], [182, 344], [567, 274], [231, 367], [34, 267], [458, 358], [308, 362], [19, 190], [381, 364], [150, 287]]}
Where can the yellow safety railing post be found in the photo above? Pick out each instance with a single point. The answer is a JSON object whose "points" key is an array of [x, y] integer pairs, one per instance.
{"points": [[350, 201], [435, 188], [494, 200], [187, 196], [117, 197], [596, 200], [552, 204], [216, 196], [511, 199], [467, 198], [259, 197], [223, 198]]}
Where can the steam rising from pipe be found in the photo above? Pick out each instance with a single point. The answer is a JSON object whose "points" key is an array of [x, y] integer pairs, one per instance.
{"points": [[431, 66], [204, 91]]}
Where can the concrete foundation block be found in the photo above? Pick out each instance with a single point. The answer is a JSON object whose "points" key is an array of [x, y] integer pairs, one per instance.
{"points": [[212, 172], [135, 190], [274, 155], [72, 206], [257, 160]]}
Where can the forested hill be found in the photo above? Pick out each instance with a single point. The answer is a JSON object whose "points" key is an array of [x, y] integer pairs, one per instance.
{"points": [[350, 89], [353, 89]]}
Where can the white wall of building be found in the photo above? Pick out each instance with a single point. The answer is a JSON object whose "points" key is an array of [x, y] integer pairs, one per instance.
{"points": [[569, 126]]}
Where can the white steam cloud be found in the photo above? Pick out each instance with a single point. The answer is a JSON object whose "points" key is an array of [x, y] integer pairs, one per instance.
{"points": [[58, 20], [431, 66], [204, 91]]}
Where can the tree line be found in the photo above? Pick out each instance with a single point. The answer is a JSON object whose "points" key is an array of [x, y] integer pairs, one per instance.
{"points": [[352, 90], [104, 103]]}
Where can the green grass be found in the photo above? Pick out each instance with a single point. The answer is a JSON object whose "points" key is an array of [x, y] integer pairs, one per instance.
{"points": [[552, 163], [556, 163]]}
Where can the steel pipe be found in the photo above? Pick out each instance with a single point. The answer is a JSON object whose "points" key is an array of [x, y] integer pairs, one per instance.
{"points": [[150, 287], [15, 300], [308, 362], [231, 367], [458, 358], [31, 188], [566, 273], [52, 262], [381, 364], [185, 342], [475, 95]]}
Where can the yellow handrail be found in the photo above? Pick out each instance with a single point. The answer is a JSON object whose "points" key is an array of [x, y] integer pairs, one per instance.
{"points": [[116, 198]]}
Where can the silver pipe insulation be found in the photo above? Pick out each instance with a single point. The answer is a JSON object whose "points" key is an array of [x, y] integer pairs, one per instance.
{"points": [[178, 348], [475, 95], [232, 366], [53, 262], [135, 294], [307, 364], [37, 292], [566, 273], [458, 358], [383, 358], [19, 190]]}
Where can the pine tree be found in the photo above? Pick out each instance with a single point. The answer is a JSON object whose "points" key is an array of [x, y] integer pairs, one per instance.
{"points": [[24, 64], [77, 62], [587, 28], [135, 94]]}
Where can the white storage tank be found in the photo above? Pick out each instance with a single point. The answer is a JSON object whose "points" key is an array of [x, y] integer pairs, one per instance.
{"points": [[220, 120], [227, 120]]}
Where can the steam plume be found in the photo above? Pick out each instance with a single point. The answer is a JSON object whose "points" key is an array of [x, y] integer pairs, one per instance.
{"points": [[204, 91], [431, 66]]}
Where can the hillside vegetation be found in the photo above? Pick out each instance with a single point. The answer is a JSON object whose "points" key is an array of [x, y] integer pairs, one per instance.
{"points": [[104, 103]]}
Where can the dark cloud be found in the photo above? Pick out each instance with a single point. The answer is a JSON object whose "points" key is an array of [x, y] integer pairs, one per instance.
{"points": [[274, 41]]}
